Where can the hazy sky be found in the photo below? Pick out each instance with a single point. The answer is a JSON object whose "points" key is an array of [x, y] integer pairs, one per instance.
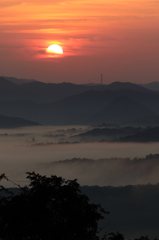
{"points": [[118, 38]]}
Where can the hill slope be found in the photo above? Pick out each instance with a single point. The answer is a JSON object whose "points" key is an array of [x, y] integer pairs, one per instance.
{"points": [[147, 135], [77, 104], [121, 109], [48, 92], [154, 86], [19, 81], [12, 122]]}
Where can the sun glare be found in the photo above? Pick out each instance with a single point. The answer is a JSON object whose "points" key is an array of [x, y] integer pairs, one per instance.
{"points": [[56, 49]]}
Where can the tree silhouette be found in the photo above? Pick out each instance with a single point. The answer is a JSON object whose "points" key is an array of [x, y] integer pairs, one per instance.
{"points": [[49, 208]]}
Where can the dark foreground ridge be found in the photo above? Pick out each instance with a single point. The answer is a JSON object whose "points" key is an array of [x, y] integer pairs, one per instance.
{"points": [[48, 209], [52, 208]]}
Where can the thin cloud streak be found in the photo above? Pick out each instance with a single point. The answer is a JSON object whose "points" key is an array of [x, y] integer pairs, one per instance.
{"points": [[126, 28]]}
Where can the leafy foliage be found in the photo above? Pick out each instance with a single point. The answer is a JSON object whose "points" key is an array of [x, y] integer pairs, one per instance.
{"points": [[50, 208]]}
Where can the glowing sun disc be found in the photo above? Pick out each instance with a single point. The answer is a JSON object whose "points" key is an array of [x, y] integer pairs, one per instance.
{"points": [[57, 49]]}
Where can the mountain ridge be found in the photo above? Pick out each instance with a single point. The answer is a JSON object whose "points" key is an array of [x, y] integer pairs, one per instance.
{"points": [[48, 92], [14, 122]]}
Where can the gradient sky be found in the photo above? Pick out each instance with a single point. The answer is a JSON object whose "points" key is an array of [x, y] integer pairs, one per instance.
{"points": [[118, 38]]}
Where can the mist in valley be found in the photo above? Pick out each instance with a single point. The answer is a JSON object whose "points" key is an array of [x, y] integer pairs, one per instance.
{"points": [[49, 150], [117, 175]]}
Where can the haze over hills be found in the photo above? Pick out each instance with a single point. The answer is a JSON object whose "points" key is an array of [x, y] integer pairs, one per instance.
{"points": [[67, 103], [119, 110], [144, 121], [42, 92], [106, 134], [123, 134], [19, 81], [76, 151], [86, 108], [48, 92], [116, 86], [154, 86]]}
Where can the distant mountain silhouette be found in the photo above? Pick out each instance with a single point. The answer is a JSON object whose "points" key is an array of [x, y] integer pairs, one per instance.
{"points": [[150, 99], [8, 90], [91, 107], [106, 134], [11, 122], [147, 135], [67, 103], [145, 121], [18, 81], [154, 86], [115, 86], [48, 92], [70, 110], [75, 109], [6, 85], [120, 110], [41, 92]]}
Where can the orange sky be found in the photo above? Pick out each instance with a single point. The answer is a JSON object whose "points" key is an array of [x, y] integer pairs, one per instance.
{"points": [[119, 38]]}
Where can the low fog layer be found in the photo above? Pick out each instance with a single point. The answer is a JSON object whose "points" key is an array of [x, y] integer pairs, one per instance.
{"points": [[104, 172], [36, 149]]}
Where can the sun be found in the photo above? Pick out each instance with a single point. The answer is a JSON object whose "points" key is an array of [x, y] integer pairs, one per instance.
{"points": [[56, 49]]}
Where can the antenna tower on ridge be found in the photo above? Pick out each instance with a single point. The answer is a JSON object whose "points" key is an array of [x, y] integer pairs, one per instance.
{"points": [[101, 78]]}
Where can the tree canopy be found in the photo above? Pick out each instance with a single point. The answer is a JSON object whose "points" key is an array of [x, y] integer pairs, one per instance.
{"points": [[49, 208]]}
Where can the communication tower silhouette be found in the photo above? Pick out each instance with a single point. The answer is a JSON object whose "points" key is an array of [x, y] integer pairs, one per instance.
{"points": [[101, 78]]}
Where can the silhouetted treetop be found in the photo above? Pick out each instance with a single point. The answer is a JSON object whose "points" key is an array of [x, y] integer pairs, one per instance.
{"points": [[49, 208]]}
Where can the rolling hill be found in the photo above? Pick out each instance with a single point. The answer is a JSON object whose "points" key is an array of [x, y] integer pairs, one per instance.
{"points": [[13, 122], [40, 92], [147, 135], [121, 109], [71, 104]]}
